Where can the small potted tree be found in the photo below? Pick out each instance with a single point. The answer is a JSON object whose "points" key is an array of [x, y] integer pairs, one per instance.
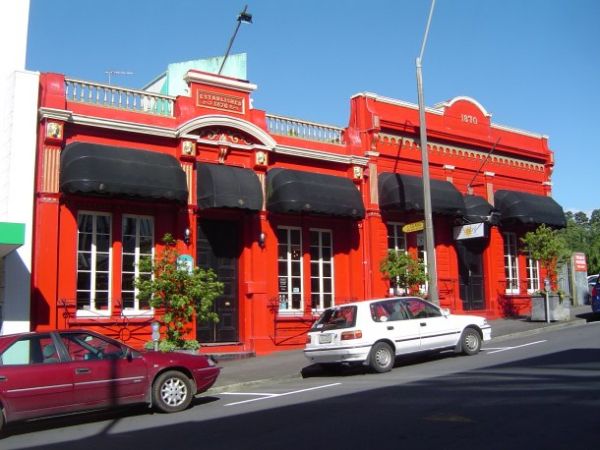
{"points": [[549, 248], [404, 272], [178, 293]]}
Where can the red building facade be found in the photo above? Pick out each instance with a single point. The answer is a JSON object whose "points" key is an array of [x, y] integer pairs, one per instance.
{"points": [[293, 216]]}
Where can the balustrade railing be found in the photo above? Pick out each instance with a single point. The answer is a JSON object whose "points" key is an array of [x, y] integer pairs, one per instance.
{"points": [[118, 98], [302, 129]]}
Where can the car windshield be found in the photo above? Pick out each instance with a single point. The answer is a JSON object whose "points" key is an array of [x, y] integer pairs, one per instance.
{"points": [[335, 318]]}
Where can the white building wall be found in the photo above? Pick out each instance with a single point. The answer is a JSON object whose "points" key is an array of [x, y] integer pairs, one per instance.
{"points": [[18, 128]]}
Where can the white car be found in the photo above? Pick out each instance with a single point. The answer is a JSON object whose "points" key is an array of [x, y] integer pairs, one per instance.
{"points": [[374, 332]]}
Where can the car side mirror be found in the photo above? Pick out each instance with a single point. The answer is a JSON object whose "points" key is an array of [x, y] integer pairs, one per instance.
{"points": [[445, 312], [129, 355]]}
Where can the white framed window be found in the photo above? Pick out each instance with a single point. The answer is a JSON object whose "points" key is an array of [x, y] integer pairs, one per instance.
{"points": [[289, 259], [94, 262], [511, 263], [422, 255], [533, 275], [321, 269], [396, 237], [137, 238], [396, 242]]}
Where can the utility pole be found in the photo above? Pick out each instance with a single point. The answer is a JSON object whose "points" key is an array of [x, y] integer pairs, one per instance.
{"points": [[429, 240]]}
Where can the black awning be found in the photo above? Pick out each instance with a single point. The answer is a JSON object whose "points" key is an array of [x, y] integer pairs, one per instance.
{"points": [[121, 172], [222, 186], [294, 191], [405, 193], [477, 209], [523, 208]]}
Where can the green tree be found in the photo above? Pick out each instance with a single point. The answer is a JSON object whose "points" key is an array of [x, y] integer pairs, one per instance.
{"points": [[583, 235], [178, 293], [549, 247], [403, 270]]}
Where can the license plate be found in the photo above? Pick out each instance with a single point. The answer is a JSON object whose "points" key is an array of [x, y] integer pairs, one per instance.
{"points": [[325, 338]]}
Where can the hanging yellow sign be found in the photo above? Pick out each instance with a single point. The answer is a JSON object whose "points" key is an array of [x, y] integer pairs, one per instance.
{"points": [[415, 226]]}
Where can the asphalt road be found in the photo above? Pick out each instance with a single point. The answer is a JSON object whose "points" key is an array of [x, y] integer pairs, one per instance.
{"points": [[542, 392]]}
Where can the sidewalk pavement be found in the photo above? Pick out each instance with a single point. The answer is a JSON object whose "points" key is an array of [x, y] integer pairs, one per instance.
{"points": [[289, 364]]}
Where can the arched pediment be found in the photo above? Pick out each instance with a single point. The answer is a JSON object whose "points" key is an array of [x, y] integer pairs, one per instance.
{"points": [[213, 123], [449, 103]]}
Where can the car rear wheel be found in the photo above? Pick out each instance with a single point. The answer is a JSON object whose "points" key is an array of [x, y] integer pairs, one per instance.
{"points": [[172, 392], [470, 341], [1, 418], [381, 358]]}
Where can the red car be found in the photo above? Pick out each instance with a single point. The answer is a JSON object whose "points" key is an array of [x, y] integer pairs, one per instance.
{"points": [[50, 373]]}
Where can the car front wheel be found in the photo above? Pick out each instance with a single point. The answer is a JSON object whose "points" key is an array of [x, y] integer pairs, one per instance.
{"points": [[381, 358], [470, 341], [172, 392]]}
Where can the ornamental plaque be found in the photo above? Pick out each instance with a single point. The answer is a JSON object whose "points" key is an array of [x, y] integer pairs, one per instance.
{"points": [[223, 102]]}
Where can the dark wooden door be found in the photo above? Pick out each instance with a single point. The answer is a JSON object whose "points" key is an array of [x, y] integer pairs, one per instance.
{"points": [[470, 265], [218, 248]]}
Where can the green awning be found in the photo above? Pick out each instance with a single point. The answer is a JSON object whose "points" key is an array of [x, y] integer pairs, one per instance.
{"points": [[12, 236]]}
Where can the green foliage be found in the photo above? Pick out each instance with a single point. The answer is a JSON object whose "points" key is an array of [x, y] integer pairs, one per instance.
{"points": [[403, 270], [165, 345], [583, 235], [549, 247], [178, 293]]}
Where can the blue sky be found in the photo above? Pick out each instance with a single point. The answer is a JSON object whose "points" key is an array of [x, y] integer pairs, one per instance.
{"points": [[535, 64]]}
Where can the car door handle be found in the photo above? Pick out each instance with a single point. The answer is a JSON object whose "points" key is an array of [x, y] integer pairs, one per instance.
{"points": [[82, 370], [3, 378], [390, 328], [423, 324]]}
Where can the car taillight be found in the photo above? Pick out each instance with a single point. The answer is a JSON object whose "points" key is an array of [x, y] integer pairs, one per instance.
{"points": [[308, 339], [595, 290], [346, 335]]}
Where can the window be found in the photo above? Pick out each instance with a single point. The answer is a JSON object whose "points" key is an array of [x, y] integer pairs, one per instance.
{"points": [[511, 268], [396, 242], [321, 269], [93, 263], [533, 275], [30, 350], [422, 255], [396, 237], [85, 346], [419, 309], [336, 318], [289, 257], [388, 310], [138, 243]]}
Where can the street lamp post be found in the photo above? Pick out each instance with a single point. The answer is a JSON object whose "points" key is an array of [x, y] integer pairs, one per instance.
{"points": [[429, 241], [242, 17]]}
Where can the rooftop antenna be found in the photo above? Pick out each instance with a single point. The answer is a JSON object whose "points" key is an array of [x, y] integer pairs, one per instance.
{"points": [[110, 73], [242, 17]]}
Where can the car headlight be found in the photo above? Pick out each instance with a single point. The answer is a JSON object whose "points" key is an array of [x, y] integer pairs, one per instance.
{"points": [[211, 361]]}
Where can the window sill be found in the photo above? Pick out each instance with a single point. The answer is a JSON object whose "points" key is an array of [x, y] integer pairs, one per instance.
{"points": [[295, 317], [86, 314], [108, 320], [137, 314]]}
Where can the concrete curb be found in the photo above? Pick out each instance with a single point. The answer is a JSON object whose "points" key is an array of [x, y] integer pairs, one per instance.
{"points": [[534, 331]]}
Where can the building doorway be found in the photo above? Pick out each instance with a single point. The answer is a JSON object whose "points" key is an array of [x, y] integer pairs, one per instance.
{"points": [[470, 266], [217, 244]]}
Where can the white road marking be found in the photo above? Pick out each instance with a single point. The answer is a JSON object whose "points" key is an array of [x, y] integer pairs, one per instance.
{"points": [[512, 348], [265, 396]]}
